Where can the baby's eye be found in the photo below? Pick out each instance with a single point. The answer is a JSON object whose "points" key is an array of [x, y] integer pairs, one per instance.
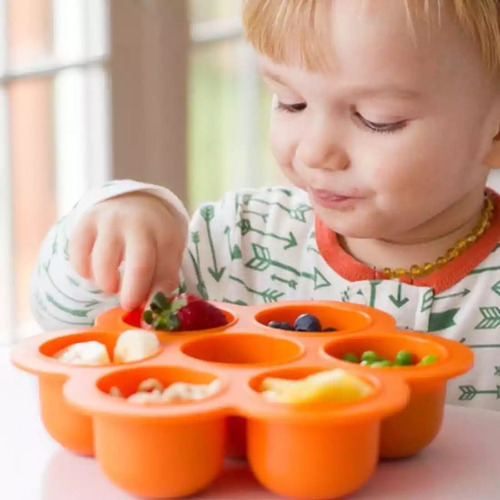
{"points": [[381, 127], [291, 108]]}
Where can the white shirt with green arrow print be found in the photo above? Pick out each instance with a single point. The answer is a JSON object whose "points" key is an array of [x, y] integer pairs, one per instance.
{"points": [[259, 246]]}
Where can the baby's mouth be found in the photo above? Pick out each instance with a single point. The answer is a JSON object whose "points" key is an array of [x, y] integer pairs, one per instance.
{"points": [[333, 199]]}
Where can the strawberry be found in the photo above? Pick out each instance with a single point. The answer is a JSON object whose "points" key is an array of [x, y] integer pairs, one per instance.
{"points": [[182, 312]]}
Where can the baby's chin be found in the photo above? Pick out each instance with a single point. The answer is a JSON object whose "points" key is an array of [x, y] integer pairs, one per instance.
{"points": [[350, 227]]}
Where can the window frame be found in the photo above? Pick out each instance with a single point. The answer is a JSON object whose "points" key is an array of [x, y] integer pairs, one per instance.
{"points": [[149, 50], [149, 46]]}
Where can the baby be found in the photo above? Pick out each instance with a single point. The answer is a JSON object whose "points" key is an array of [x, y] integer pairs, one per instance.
{"points": [[386, 120]]}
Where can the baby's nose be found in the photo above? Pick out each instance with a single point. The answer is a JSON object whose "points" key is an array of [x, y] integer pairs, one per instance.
{"points": [[320, 150]]}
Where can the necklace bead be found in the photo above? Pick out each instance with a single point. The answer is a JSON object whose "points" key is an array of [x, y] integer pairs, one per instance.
{"points": [[460, 246]]}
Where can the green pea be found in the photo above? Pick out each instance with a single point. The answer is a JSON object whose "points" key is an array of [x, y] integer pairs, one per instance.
{"points": [[428, 360], [370, 356], [351, 357], [364, 363], [404, 358], [381, 364]]}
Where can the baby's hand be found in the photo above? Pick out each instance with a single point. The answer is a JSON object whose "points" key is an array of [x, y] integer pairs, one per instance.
{"points": [[138, 229]]}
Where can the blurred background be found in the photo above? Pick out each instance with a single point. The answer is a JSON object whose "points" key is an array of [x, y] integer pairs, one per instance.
{"points": [[163, 91]]}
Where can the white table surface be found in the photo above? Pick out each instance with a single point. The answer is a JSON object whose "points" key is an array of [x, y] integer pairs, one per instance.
{"points": [[463, 463]]}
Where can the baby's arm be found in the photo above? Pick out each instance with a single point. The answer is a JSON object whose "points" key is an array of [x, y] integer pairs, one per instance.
{"points": [[76, 276]]}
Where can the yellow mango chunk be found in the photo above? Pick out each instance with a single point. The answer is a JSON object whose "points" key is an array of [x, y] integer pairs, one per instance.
{"points": [[276, 384], [322, 387]]}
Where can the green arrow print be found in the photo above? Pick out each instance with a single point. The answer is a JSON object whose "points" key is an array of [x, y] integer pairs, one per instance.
{"points": [[480, 346], [484, 270], [469, 392], [290, 283], [208, 213], [80, 313], [463, 293], [442, 320], [297, 213], [268, 295], [77, 283], [201, 287], [264, 216], [430, 297], [246, 227], [235, 302], [311, 248], [491, 318], [399, 301], [496, 287], [262, 260], [428, 300], [235, 251], [285, 191], [41, 305], [84, 303]]}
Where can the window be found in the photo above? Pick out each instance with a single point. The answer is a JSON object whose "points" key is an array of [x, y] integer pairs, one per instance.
{"points": [[98, 89], [224, 88], [54, 132]]}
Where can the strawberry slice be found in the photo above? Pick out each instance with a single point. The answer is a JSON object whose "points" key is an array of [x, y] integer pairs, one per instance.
{"points": [[183, 312]]}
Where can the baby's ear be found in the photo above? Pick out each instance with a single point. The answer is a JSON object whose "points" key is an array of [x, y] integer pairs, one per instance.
{"points": [[492, 159]]}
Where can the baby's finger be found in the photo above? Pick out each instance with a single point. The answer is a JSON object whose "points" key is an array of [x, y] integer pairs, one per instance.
{"points": [[166, 278], [107, 255], [139, 268], [80, 248]]}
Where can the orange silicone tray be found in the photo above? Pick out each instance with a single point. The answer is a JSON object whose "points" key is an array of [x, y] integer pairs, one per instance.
{"points": [[315, 451]]}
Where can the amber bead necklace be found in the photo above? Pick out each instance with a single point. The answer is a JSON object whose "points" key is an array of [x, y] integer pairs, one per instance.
{"points": [[452, 253]]}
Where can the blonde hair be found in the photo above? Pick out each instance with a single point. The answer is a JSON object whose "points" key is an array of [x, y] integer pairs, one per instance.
{"points": [[287, 29]]}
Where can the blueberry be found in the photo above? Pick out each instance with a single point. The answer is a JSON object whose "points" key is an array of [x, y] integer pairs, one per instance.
{"points": [[274, 324], [307, 323]]}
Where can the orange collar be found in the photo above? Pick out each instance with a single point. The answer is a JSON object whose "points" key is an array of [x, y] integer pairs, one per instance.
{"points": [[352, 270]]}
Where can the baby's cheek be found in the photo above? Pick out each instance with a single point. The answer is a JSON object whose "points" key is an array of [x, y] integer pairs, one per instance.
{"points": [[282, 144], [283, 147]]}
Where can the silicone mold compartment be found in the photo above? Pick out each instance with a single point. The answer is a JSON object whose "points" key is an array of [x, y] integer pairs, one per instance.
{"points": [[69, 427], [119, 320], [424, 413], [159, 457], [307, 451]]}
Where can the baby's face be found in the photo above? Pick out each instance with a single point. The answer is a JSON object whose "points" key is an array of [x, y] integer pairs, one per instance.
{"points": [[392, 137]]}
